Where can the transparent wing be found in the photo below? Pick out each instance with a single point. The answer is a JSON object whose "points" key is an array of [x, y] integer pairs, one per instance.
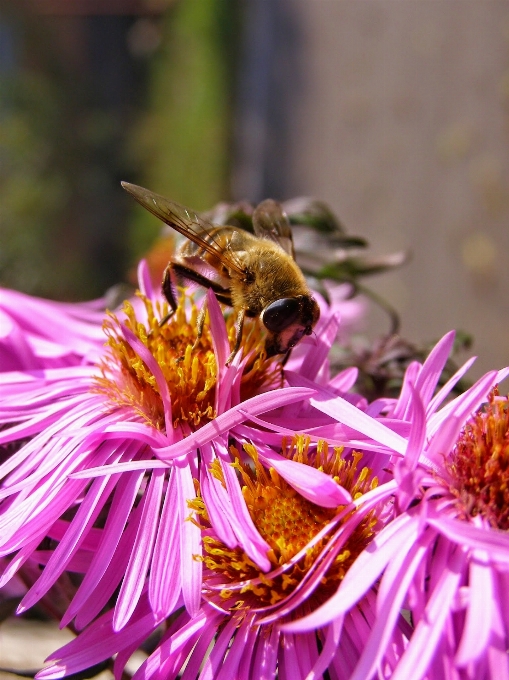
{"points": [[185, 221], [270, 222]]}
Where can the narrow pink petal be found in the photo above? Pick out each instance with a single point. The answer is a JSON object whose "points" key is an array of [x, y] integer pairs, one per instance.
{"points": [[218, 331], [216, 657], [131, 466], [236, 415], [393, 590], [289, 666], [144, 282], [172, 646], [35, 513], [493, 541], [314, 360], [33, 455], [16, 562], [445, 438], [121, 507], [464, 404], [20, 380], [230, 666], [190, 542], [417, 432], [199, 653], [362, 574], [95, 646], [502, 374], [250, 540], [433, 367], [446, 389], [264, 665], [218, 505], [402, 407], [99, 597], [342, 411], [477, 629], [15, 349], [140, 431], [426, 636], [35, 425], [146, 356], [165, 583], [498, 660], [344, 380], [245, 669], [134, 580], [313, 484], [88, 512], [332, 637]]}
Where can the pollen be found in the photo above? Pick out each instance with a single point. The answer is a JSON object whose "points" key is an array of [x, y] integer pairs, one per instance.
{"points": [[288, 522], [479, 464], [188, 365]]}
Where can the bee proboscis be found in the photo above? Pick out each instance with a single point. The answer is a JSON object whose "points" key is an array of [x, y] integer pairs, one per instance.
{"points": [[256, 274]]}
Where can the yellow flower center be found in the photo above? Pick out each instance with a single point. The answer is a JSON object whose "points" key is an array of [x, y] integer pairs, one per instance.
{"points": [[189, 371], [480, 465], [288, 522]]}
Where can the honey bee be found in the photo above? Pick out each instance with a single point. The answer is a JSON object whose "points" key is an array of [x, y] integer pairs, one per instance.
{"points": [[255, 274]]}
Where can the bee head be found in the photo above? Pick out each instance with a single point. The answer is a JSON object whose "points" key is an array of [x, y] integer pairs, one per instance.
{"points": [[288, 320]]}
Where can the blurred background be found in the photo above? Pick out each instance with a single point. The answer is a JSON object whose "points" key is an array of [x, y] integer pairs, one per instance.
{"points": [[395, 112]]}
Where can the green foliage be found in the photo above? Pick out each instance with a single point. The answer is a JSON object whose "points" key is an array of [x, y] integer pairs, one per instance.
{"points": [[182, 142], [31, 188]]}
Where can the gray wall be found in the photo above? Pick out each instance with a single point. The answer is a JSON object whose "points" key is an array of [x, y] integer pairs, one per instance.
{"points": [[396, 112]]}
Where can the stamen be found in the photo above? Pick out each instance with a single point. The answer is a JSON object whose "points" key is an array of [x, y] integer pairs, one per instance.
{"points": [[479, 466], [190, 371], [288, 522]]}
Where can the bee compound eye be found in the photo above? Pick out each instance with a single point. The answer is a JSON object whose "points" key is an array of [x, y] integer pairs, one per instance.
{"points": [[280, 314]]}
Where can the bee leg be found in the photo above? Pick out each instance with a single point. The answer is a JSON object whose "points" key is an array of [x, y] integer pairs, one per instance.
{"points": [[286, 357], [169, 294], [200, 322], [239, 324], [223, 294]]}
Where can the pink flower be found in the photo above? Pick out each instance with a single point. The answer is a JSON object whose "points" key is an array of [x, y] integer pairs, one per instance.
{"points": [[240, 629], [36, 333], [445, 556], [100, 458]]}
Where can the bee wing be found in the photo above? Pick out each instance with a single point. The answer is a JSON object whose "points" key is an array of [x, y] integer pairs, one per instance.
{"points": [[270, 222], [185, 221]]}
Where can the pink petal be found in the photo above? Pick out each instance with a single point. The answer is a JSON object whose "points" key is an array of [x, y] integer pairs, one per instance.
{"points": [[313, 484], [362, 574], [477, 629], [344, 380], [393, 590], [342, 411], [95, 646], [444, 440], [314, 360], [147, 357], [121, 507], [134, 580], [236, 415], [218, 331], [88, 512], [247, 534], [493, 541], [446, 389], [426, 636], [144, 281], [165, 580], [190, 542], [433, 367]]}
